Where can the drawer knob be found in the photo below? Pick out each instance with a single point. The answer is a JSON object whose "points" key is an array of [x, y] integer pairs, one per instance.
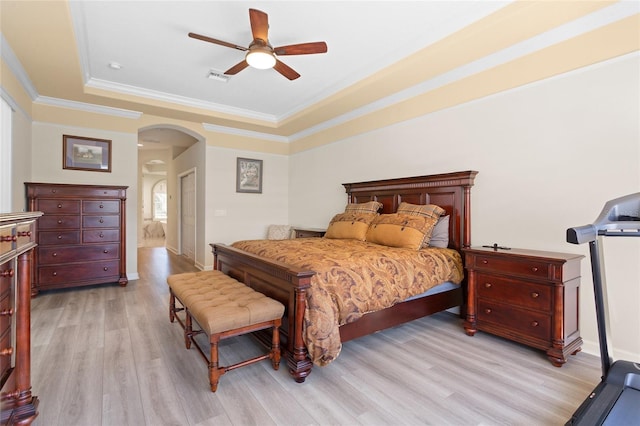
{"points": [[485, 261], [59, 221], [6, 351], [488, 285], [101, 206], [59, 237], [534, 269], [55, 274], [534, 323], [105, 269], [535, 294], [54, 254], [6, 312], [7, 273], [487, 310], [101, 235], [24, 234], [106, 251], [101, 220], [8, 238], [59, 206]]}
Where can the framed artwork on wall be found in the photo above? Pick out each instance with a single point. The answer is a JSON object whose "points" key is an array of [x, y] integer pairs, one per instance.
{"points": [[249, 175], [91, 154]]}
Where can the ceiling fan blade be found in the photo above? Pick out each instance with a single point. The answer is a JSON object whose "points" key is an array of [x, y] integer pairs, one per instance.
{"points": [[214, 41], [259, 24], [237, 68], [285, 70], [301, 49]]}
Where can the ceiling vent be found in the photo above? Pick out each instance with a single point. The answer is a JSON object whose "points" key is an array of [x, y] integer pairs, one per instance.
{"points": [[218, 76]]}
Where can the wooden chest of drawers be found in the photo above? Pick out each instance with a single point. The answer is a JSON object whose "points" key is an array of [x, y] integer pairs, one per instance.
{"points": [[527, 296], [81, 237], [17, 241]]}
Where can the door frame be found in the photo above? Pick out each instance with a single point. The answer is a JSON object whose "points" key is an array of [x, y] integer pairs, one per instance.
{"points": [[195, 211]]}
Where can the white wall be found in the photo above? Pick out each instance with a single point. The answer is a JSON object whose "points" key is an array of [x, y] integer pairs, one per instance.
{"points": [[549, 156], [46, 165], [233, 216], [20, 156]]}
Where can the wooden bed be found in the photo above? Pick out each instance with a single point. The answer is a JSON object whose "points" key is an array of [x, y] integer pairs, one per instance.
{"points": [[451, 191]]}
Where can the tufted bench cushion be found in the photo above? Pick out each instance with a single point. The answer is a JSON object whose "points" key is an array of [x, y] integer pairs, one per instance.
{"points": [[223, 307], [219, 303]]}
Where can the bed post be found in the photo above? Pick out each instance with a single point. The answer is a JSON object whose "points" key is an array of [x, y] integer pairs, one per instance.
{"points": [[297, 359]]}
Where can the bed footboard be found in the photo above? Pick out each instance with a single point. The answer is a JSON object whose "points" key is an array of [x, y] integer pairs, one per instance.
{"points": [[281, 282]]}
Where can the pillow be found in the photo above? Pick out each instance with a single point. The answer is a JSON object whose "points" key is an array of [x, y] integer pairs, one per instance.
{"points": [[401, 230], [428, 210], [368, 207], [440, 234], [350, 226], [279, 232]]}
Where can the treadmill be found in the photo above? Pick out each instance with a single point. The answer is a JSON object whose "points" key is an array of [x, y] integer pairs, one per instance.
{"points": [[616, 399]]}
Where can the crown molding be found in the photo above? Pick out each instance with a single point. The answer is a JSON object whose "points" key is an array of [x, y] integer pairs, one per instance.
{"points": [[15, 66], [248, 133], [83, 106]]}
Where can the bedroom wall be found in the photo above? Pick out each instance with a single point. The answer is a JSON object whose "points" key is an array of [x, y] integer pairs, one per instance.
{"points": [[233, 216], [46, 165], [549, 155]]}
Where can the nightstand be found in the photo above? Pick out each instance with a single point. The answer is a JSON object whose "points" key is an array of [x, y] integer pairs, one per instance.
{"points": [[527, 296], [308, 232]]}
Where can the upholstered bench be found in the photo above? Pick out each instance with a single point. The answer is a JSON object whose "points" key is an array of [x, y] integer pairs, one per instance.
{"points": [[222, 307]]}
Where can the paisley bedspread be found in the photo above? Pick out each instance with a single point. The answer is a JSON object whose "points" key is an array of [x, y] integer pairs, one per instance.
{"points": [[353, 278]]}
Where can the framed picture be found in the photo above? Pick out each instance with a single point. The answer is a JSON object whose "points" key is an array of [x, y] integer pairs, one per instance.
{"points": [[249, 175], [79, 153]]}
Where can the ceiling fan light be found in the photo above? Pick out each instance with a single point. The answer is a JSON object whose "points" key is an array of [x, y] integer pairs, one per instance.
{"points": [[261, 59]]}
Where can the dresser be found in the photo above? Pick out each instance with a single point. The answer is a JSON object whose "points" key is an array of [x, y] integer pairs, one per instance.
{"points": [[17, 243], [81, 237], [527, 296]]}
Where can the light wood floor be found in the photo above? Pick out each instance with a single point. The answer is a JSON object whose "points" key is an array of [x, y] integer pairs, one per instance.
{"points": [[107, 355]]}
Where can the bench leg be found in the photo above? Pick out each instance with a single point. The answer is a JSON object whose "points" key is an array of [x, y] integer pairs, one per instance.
{"points": [[214, 366], [172, 306], [188, 329], [275, 346]]}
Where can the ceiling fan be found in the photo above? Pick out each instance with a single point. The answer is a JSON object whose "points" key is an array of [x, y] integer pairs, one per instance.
{"points": [[260, 53]]}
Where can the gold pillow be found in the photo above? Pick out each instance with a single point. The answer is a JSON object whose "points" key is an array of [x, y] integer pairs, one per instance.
{"points": [[368, 207], [401, 230], [428, 210], [350, 226]]}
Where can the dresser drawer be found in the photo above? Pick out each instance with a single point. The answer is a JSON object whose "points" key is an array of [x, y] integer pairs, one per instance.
{"points": [[529, 323], [512, 266], [25, 233], [58, 255], [49, 206], [78, 272], [7, 271], [6, 351], [112, 221], [101, 206], [59, 222], [61, 237], [6, 239], [101, 236], [516, 292], [5, 312]]}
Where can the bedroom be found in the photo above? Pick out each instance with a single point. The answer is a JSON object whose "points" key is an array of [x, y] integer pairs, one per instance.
{"points": [[549, 153]]}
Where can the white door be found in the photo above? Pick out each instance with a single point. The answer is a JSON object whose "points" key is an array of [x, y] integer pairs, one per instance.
{"points": [[188, 215]]}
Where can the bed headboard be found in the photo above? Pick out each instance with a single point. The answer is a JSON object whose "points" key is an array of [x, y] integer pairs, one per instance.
{"points": [[451, 191]]}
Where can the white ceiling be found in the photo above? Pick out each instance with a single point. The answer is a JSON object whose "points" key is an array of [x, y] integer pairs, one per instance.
{"points": [[159, 61]]}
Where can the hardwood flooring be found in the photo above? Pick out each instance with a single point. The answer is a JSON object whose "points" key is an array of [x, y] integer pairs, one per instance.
{"points": [[107, 355]]}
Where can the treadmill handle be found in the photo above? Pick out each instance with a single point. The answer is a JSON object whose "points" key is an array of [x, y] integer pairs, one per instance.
{"points": [[582, 234]]}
